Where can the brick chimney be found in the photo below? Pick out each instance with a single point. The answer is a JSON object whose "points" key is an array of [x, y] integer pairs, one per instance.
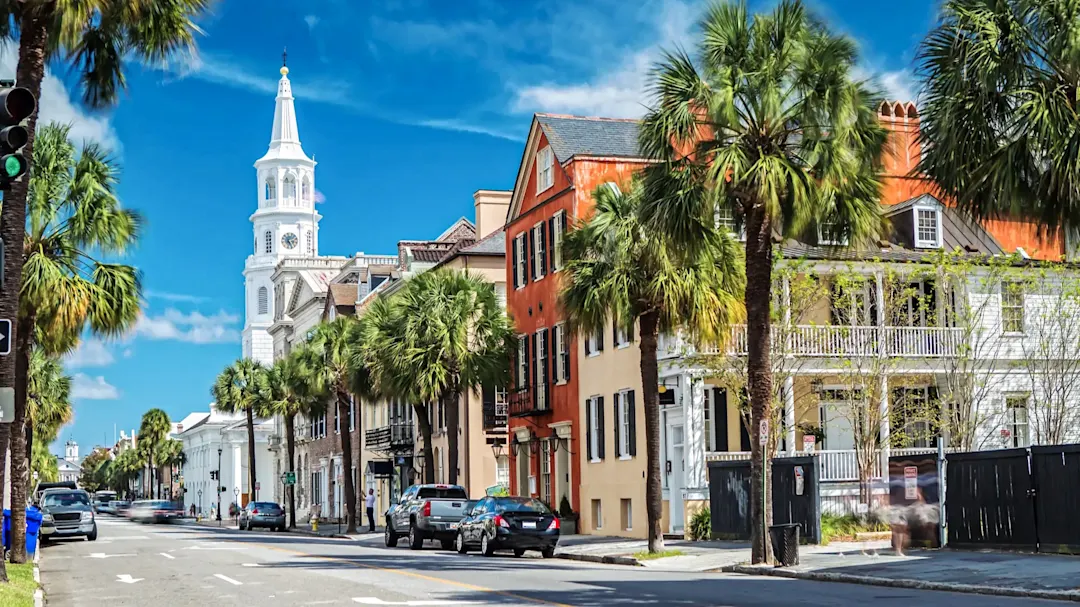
{"points": [[901, 152]]}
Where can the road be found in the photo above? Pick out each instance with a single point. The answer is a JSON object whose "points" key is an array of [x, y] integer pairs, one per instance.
{"points": [[179, 565]]}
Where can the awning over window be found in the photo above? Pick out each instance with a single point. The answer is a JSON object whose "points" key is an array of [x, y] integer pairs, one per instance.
{"points": [[381, 468]]}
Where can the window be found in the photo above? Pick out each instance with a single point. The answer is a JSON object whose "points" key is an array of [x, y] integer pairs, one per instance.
{"points": [[562, 352], [440, 420], [305, 189], [597, 515], [309, 241], [538, 251], [625, 439], [520, 277], [709, 397], [725, 219], [545, 471], [827, 234], [558, 228], [352, 414], [627, 513], [594, 343], [271, 189], [1012, 307], [268, 241], [1015, 431], [545, 175], [502, 471], [337, 420], [264, 300], [540, 339], [290, 187], [522, 363], [927, 228], [594, 428], [623, 336]]}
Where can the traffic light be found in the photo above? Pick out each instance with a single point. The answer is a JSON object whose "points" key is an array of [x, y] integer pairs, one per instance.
{"points": [[16, 104]]}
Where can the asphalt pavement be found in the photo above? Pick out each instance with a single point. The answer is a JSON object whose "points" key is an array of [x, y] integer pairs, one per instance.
{"points": [[180, 565]]}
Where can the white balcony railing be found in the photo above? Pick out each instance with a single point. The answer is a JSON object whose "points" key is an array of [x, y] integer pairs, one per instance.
{"points": [[836, 466], [836, 340]]}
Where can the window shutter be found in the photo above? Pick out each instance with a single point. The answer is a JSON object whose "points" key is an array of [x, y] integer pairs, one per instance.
{"points": [[530, 253], [514, 255], [615, 332], [632, 411], [542, 263], [600, 338], [720, 413], [630, 332], [618, 425], [600, 427], [590, 405], [549, 367], [588, 347], [566, 342], [530, 342], [551, 242]]}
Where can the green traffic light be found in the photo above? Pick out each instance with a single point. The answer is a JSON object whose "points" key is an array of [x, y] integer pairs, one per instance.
{"points": [[13, 166]]}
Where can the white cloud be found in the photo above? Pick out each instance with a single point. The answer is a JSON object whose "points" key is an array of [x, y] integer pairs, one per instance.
{"points": [[465, 127], [89, 353], [128, 353], [899, 85], [180, 297], [92, 388], [193, 327], [56, 105], [311, 21]]}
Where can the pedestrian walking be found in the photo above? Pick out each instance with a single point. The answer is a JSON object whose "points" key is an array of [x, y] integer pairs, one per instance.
{"points": [[370, 503]]}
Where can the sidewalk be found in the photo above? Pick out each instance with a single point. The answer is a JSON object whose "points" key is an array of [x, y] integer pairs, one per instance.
{"points": [[994, 573]]}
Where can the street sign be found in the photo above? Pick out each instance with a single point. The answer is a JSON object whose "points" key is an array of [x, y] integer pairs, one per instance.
{"points": [[5, 336], [763, 433], [257, 487], [808, 443], [289, 478], [799, 481], [911, 482], [7, 405]]}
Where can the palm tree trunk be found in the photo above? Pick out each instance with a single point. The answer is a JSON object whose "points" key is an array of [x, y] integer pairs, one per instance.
{"points": [[650, 385], [20, 457], [346, 462], [759, 261], [290, 452], [451, 402], [33, 36], [251, 455], [5, 433], [425, 435]]}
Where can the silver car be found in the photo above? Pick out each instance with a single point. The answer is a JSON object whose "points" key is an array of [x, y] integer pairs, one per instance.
{"points": [[262, 514]]}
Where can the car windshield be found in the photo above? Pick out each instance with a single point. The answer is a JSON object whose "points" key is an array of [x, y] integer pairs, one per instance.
{"points": [[268, 506], [520, 504], [59, 500], [451, 493], [159, 504]]}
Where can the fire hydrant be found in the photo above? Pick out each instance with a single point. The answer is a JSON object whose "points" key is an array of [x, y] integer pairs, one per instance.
{"points": [[315, 523]]}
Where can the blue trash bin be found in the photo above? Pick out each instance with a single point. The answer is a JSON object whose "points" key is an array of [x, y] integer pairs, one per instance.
{"points": [[7, 530], [33, 524]]}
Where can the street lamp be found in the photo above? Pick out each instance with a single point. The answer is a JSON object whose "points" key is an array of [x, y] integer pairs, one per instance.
{"points": [[236, 500], [498, 448], [218, 488], [200, 501]]}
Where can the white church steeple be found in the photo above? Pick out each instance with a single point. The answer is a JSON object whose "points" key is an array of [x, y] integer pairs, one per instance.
{"points": [[285, 221]]}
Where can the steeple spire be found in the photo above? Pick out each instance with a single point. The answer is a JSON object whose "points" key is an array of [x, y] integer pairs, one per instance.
{"points": [[285, 137]]}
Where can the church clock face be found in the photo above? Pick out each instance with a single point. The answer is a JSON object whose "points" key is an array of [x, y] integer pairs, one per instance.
{"points": [[290, 240]]}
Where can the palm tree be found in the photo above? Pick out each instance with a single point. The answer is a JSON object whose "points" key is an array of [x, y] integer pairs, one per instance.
{"points": [[72, 215], [455, 337], [237, 389], [770, 127], [331, 357], [618, 271], [153, 431], [95, 39], [170, 455], [48, 398], [124, 469], [291, 389], [999, 109]]}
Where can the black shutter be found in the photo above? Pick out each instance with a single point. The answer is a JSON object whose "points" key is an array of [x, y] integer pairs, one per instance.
{"points": [[600, 427], [531, 342], [744, 434], [720, 418], [588, 348], [551, 243], [549, 368], [566, 342], [541, 262], [562, 221], [614, 332], [589, 406], [600, 338], [630, 332], [618, 425], [632, 411], [514, 256], [530, 254]]}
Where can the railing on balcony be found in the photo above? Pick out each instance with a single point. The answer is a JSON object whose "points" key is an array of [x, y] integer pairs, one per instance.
{"points": [[521, 402], [840, 340], [394, 437], [496, 415], [836, 465]]}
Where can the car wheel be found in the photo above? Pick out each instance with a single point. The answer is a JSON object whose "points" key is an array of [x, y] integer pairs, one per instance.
{"points": [[518, 552], [485, 546], [92, 535], [548, 552], [416, 541], [459, 543], [447, 544], [389, 536]]}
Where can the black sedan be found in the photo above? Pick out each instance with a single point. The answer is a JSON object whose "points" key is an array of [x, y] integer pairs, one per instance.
{"points": [[509, 523]]}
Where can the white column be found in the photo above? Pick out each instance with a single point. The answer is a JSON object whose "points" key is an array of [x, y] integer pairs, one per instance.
{"points": [[238, 474], [789, 413], [697, 480], [884, 426]]}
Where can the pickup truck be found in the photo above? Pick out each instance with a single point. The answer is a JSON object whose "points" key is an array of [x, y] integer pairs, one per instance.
{"points": [[426, 512]]}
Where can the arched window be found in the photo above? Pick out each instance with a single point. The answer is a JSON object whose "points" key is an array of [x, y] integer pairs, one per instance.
{"points": [[309, 241], [305, 189], [264, 300], [290, 188], [271, 189], [268, 238]]}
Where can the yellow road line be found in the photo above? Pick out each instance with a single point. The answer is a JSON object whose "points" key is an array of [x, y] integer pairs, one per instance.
{"points": [[418, 576]]}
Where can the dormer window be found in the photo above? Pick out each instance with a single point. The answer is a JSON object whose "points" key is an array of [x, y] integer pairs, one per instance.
{"points": [[826, 235], [927, 228], [545, 169], [725, 220]]}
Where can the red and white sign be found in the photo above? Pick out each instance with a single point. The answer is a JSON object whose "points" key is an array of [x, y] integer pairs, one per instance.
{"points": [[911, 482], [763, 433], [808, 443], [257, 487]]}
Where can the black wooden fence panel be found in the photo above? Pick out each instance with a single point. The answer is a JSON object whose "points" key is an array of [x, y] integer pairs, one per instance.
{"points": [[1056, 469], [729, 497], [729, 500], [989, 502]]}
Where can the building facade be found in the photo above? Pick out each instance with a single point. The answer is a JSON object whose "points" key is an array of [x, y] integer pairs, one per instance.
{"points": [[218, 442]]}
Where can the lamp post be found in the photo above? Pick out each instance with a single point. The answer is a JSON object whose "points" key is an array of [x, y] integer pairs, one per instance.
{"points": [[200, 501], [236, 500], [218, 488]]}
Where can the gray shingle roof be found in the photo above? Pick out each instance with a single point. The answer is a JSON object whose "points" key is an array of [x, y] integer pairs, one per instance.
{"points": [[494, 244], [570, 136]]}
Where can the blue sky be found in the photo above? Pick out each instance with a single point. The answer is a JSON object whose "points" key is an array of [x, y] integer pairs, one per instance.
{"points": [[408, 108]]}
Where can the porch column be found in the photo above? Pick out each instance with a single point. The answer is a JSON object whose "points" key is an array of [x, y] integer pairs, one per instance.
{"points": [[693, 394], [884, 426], [238, 472], [789, 413]]}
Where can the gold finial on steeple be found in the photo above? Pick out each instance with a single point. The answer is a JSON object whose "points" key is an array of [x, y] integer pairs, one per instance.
{"points": [[284, 61]]}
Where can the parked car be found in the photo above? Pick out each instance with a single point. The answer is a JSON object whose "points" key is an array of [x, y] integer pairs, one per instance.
{"points": [[154, 511], [44, 486], [509, 523], [67, 513], [119, 507], [426, 512], [262, 514]]}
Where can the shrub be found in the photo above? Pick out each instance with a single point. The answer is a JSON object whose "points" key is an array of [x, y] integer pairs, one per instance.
{"points": [[700, 524], [835, 527], [564, 507]]}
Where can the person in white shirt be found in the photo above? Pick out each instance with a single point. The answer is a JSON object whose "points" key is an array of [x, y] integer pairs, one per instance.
{"points": [[369, 501]]}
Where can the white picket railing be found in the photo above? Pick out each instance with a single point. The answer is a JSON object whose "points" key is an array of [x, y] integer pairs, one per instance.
{"points": [[837, 340], [836, 465]]}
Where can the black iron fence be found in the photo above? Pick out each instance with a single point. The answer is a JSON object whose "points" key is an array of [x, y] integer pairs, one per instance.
{"points": [[398, 436], [795, 495]]}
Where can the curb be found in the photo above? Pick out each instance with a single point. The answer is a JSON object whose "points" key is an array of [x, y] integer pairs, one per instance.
{"points": [[293, 531], [865, 580], [39, 594], [607, 560]]}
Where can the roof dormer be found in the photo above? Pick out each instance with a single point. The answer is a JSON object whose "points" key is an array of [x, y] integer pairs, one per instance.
{"points": [[927, 225]]}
